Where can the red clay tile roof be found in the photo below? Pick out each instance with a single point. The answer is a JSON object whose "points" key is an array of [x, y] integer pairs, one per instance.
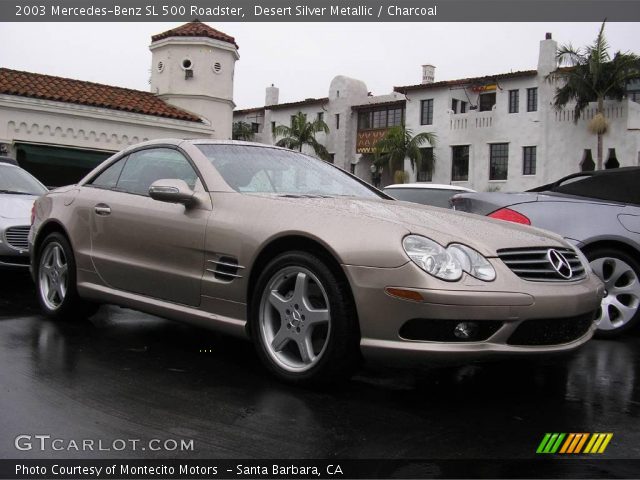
{"points": [[58, 89], [466, 81], [308, 101], [195, 29]]}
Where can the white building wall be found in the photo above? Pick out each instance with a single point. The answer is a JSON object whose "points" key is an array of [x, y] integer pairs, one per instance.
{"points": [[344, 93], [559, 142], [69, 125]]}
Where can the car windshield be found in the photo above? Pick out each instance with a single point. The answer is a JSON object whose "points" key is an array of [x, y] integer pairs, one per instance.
{"points": [[250, 169], [17, 181], [425, 196]]}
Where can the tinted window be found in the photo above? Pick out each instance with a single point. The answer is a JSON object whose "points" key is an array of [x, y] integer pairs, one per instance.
{"points": [[268, 170], [425, 196], [617, 186], [18, 181], [146, 166], [109, 177]]}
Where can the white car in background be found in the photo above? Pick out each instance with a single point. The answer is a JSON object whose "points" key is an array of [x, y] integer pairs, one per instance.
{"points": [[18, 190], [434, 194]]}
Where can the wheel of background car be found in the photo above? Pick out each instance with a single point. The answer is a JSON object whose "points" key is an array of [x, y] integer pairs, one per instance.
{"points": [[621, 275], [303, 321], [56, 280]]}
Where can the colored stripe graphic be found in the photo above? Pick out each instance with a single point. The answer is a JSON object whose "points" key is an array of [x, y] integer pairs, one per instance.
{"points": [[550, 443], [581, 443], [607, 439], [543, 443], [567, 443], [573, 443], [591, 443]]}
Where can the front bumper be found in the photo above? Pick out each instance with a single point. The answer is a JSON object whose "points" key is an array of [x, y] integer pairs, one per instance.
{"points": [[506, 303]]}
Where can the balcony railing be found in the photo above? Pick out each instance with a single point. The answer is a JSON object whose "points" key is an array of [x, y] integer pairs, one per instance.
{"points": [[464, 121]]}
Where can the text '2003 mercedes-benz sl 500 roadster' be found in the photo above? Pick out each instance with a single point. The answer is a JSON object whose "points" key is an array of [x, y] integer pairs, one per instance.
{"points": [[312, 264]]}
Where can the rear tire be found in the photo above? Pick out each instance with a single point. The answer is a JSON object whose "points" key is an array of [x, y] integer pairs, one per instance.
{"points": [[303, 321], [56, 280], [620, 308]]}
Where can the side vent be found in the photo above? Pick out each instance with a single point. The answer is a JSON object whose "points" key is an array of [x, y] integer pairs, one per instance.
{"points": [[224, 268]]}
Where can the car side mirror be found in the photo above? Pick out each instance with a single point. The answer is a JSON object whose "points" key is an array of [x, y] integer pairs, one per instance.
{"points": [[172, 190]]}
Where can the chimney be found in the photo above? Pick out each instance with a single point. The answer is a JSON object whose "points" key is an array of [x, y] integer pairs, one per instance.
{"points": [[271, 97], [547, 57], [428, 73]]}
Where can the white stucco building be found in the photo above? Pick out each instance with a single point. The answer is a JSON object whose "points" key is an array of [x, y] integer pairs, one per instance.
{"points": [[60, 128], [496, 132], [336, 110]]}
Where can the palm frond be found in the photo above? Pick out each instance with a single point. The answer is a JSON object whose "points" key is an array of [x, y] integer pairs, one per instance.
{"points": [[399, 143], [301, 133]]}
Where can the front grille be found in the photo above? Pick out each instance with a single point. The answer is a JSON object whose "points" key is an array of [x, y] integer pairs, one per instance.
{"points": [[17, 237], [534, 264], [443, 330], [551, 331]]}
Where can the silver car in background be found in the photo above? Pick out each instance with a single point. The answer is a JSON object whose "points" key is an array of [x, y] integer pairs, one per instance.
{"points": [[434, 194], [18, 190], [599, 212]]}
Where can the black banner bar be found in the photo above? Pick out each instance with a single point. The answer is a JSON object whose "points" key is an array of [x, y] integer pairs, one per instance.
{"points": [[543, 467], [320, 10]]}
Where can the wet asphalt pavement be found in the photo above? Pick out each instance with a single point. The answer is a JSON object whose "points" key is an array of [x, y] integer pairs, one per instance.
{"points": [[125, 375]]}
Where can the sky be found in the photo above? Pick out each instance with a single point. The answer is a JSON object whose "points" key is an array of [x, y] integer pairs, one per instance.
{"points": [[301, 59]]}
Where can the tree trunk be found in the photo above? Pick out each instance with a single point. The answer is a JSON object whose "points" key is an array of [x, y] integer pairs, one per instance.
{"points": [[600, 111]]}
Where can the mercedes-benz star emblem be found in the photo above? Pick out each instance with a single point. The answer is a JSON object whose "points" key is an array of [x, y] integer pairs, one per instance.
{"points": [[560, 263]]}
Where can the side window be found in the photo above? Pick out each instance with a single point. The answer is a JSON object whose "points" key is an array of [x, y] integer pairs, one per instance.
{"points": [[109, 177], [147, 166]]}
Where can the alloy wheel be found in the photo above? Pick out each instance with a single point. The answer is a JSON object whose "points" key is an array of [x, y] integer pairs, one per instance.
{"points": [[622, 297], [53, 276], [295, 319]]}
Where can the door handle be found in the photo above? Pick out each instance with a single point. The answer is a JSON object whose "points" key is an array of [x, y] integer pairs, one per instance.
{"points": [[102, 209]]}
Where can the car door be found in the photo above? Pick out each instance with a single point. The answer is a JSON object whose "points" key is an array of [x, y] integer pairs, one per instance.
{"points": [[142, 245]]}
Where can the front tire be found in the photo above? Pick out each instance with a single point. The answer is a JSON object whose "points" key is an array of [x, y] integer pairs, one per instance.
{"points": [[56, 280], [620, 272], [303, 321]]}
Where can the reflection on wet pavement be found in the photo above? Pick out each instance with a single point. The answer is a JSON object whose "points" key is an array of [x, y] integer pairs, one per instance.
{"points": [[130, 375]]}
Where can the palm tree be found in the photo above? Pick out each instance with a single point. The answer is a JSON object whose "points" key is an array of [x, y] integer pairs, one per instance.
{"points": [[242, 131], [302, 133], [591, 75], [399, 143]]}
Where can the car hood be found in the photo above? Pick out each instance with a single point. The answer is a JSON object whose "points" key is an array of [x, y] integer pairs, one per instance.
{"points": [[442, 225], [16, 206]]}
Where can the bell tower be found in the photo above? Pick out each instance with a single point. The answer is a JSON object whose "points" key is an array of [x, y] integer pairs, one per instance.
{"points": [[192, 68]]}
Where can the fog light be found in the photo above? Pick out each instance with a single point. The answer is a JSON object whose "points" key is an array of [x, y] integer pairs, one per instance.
{"points": [[465, 330]]}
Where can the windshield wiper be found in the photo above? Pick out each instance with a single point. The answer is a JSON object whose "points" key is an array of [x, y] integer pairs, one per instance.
{"points": [[13, 192], [303, 195]]}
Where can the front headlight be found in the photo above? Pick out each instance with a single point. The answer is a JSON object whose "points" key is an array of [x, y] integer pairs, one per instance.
{"points": [[432, 257], [447, 263], [472, 262]]}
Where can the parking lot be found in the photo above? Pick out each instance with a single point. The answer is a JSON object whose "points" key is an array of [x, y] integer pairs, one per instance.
{"points": [[125, 375]]}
